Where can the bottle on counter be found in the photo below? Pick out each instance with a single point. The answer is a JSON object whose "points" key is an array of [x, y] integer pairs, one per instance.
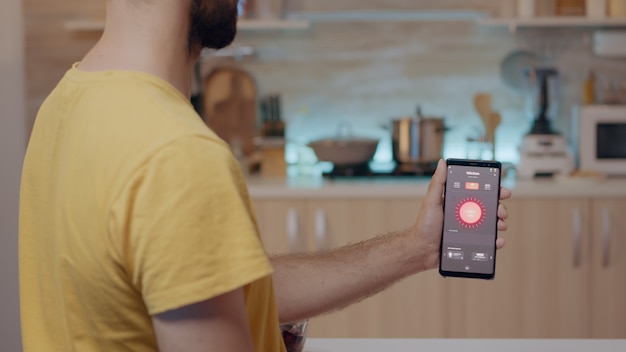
{"points": [[525, 8], [545, 8], [596, 8], [589, 91]]}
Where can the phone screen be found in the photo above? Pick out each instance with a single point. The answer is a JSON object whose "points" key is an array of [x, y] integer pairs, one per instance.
{"points": [[468, 242]]}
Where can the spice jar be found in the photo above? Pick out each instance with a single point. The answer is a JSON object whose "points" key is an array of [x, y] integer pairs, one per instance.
{"points": [[570, 7], [617, 8]]}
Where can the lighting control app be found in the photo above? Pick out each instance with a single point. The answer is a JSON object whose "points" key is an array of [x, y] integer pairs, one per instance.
{"points": [[470, 221]]}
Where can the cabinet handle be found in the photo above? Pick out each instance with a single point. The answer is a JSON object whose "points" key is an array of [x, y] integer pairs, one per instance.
{"points": [[294, 240], [577, 236], [606, 237], [321, 233]]}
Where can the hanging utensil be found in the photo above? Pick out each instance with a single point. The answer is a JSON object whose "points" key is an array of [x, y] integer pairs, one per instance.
{"points": [[482, 104], [490, 131]]}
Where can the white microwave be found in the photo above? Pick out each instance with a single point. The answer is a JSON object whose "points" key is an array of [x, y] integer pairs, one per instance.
{"points": [[601, 144]]}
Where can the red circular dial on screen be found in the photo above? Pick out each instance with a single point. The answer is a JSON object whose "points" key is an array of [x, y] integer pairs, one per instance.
{"points": [[470, 212]]}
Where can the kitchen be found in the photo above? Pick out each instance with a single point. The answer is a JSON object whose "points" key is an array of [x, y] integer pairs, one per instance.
{"points": [[395, 64], [367, 72]]}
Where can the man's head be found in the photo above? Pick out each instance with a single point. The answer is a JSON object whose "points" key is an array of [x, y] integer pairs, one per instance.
{"points": [[213, 24]]}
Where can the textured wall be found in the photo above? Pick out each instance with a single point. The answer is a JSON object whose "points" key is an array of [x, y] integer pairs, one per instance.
{"points": [[366, 73]]}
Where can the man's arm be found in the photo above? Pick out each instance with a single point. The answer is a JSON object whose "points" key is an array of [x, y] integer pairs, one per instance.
{"points": [[307, 285], [217, 324]]}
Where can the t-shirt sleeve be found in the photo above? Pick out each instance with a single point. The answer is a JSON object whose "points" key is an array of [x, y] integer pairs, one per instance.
{"points": [[188, 233]]}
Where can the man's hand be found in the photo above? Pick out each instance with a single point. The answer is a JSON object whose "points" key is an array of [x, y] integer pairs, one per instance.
{"points": [[429, 225]]}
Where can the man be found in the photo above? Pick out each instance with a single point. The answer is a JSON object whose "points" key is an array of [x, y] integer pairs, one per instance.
{"points": [[136, 230]]}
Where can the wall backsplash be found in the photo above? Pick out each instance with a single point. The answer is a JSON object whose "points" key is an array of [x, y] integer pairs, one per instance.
{"points": [[367, 73], [364, 73]]}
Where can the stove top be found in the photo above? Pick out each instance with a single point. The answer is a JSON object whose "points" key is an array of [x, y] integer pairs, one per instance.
{"points": [[366, 171]]}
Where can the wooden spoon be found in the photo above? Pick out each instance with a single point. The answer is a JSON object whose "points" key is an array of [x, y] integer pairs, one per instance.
{"points": [[490, 130], [482, 104]]}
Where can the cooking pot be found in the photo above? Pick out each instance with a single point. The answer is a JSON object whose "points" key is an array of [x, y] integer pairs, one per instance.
{"points": [[345, 150], [418, 139]]}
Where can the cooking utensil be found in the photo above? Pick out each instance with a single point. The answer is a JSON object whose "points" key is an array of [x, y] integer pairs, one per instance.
{"points": [[229, 104], [491, 119], [417, 139], [490, 130], [345, 150], [482, 104]]}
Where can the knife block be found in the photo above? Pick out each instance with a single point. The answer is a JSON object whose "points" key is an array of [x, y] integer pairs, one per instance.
{"points": [[272, 157]]}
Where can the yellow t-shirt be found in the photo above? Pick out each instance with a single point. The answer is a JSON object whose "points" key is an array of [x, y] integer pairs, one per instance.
{"points": [[131, 206]]}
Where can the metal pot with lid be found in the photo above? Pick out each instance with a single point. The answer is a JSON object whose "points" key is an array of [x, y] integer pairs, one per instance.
{"points": [[418, 139]]}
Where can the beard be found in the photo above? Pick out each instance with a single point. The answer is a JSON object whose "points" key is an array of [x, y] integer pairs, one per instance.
{"points": [[213, 24]]}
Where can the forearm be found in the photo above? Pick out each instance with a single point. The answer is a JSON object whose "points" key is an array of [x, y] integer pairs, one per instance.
{"points": [[307, 285]]}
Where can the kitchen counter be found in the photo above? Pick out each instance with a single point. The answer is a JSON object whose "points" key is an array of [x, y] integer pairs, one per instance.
{"points": [[466, 345], [318, 187]]}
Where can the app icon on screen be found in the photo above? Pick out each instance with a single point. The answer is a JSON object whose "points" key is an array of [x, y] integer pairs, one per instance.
{"points": [[474, 186]]}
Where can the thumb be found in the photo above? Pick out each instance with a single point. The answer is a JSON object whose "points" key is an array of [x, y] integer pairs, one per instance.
{"points": [[434, 195]]}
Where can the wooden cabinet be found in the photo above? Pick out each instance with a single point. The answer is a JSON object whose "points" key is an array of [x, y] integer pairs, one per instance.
{"points": [[411, 308], [542, 277], [561, 274], [280, 225], [608, 269]]}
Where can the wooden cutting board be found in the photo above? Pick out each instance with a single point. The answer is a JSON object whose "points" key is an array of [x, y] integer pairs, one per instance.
{"points": [[230, 110]]}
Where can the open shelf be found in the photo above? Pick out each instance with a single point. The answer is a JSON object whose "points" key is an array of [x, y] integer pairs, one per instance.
{"points": [[242, 25], [554, 22], [389, 15], [303, 20]]}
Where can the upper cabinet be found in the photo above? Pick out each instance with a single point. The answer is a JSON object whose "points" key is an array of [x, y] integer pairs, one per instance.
{"points": [[516, 14]]}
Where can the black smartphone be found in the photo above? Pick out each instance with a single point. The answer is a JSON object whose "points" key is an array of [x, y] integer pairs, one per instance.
{"points": [[470, 221]]}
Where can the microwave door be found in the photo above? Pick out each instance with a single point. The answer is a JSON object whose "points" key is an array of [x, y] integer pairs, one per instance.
{"points": [[602, 139], [611, 141]]}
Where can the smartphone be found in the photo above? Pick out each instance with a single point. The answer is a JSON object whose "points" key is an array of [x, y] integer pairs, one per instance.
{"points": [[470, 220]]}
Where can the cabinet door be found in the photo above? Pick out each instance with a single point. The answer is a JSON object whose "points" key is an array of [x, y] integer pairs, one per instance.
{"points": [[609, 269], [541, 284], [281, 225], [411, 308]]}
